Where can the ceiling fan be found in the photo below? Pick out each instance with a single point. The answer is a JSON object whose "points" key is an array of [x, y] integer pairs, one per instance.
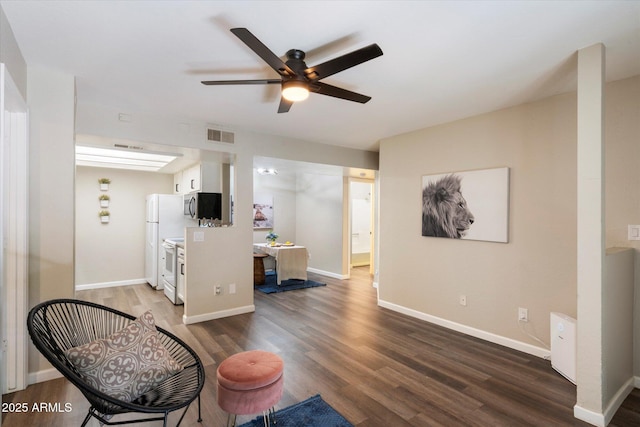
{"points": [[297, 79]]}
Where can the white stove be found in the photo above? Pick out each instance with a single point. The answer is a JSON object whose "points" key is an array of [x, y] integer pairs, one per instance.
{"points": [[169, 268]]}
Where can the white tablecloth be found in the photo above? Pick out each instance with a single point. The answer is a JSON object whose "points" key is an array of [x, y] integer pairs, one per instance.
{"points": [[291, 261]]}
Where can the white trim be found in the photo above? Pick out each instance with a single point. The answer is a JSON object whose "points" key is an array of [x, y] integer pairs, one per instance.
{"points": [[14, 234], [588, 416], [188, 320], [617, 399], [328, 273], [45, 375], [110, 284], [487, 336]]}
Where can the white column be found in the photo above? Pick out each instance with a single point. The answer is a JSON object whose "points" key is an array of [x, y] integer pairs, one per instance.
{"points": [[590, 234]]}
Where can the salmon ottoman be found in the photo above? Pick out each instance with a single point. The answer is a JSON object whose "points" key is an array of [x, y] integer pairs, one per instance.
{"points": [[250, 382]]}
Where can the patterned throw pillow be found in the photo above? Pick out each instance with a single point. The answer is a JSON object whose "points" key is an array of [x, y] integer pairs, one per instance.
{"points": [[128, 363]]}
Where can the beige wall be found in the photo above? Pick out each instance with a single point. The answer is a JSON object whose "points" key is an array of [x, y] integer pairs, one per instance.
{"points": [[535, 270], [617, 331], [120, 242], [319, 221], [622, 150], [11, 56], [50, 97], [214, 259], [622, 133]]}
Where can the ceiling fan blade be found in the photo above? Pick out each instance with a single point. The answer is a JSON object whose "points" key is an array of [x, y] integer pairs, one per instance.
{"points": [[263, 51], [241, 82], [343, 62], [285, 105], [336, 92]]}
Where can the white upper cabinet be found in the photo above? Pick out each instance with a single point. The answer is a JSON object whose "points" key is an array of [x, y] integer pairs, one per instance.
{"points": [[177, 183], [205, 176]]}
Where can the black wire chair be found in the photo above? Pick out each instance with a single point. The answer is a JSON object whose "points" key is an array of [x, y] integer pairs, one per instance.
{"points": [[61, 324]]}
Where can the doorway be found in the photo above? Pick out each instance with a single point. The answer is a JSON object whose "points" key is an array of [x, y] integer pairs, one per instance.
{"points": [[362, 214]]}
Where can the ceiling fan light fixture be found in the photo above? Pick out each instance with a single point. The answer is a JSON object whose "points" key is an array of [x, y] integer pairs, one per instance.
{"points": [[295, 90]]}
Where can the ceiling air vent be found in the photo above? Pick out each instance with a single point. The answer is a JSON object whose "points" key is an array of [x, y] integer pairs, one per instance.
{"points": [[220, 136]]}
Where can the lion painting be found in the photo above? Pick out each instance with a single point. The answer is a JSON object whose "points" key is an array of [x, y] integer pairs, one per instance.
{"points": [[444, 210]]}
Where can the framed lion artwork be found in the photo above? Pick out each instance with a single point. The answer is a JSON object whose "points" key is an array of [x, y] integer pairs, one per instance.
{"points": [[470, 205]]}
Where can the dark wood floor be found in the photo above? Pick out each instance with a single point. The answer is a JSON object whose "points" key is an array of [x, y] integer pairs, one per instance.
{"points": [[376, 367]]}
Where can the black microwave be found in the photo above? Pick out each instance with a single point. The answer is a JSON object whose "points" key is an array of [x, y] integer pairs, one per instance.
{"points": [[203, 205]]}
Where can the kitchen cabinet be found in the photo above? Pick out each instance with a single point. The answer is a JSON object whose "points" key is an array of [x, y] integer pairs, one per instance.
{"points": [[177, 183], [204, 176], [192, 179]]}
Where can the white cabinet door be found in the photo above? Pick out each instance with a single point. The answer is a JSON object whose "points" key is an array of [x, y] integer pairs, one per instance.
{"points": [[205, 176], [178, 188], [191, 179]]}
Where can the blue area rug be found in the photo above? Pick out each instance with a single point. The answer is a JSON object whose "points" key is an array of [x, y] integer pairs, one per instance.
{"points": [[271, 285], [313, 412]]}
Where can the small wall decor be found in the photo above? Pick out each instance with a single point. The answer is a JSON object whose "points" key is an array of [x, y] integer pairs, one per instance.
{"points": [[104, 201], [262, 212], [104, 216], [104, 184], [472, 205]]}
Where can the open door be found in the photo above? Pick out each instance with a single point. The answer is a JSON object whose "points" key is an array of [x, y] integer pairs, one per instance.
{"points": [[361, 194], [14, 223]]}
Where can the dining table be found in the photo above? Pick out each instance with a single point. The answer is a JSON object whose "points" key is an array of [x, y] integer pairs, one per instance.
{"points": [[290, 260]]}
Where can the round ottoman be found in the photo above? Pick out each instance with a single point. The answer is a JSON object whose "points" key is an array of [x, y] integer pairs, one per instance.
{"points": [[250, 382]]}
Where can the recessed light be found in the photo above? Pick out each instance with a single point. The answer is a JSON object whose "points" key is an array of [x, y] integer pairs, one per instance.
{"points": [[263, 171]]}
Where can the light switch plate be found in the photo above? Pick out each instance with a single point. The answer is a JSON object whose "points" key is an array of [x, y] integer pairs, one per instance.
{"points": [[634, 232], [198, 236]]}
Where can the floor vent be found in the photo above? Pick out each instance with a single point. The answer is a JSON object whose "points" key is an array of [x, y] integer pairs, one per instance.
{"points": [[220, 136]]}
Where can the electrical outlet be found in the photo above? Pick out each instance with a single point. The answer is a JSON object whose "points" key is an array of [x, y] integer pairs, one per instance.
{"points": [[218, 290], [523, 315], [463, 300]]}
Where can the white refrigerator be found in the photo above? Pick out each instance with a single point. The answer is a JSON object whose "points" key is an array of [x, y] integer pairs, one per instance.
{"points": [[165, 219]]}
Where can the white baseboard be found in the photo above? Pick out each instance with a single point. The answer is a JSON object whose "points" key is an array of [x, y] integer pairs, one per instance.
{"points": [[110, 284], [602, 420], [188, 320], [41, 376], [328, 273], [588, 416], [487, 336], [617, 399]]}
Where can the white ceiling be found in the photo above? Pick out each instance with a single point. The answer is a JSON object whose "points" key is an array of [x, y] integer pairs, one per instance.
{"points": [[443, 60]]}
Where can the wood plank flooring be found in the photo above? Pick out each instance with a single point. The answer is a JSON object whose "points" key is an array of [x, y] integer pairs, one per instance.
{"points": [[375, 366]]}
